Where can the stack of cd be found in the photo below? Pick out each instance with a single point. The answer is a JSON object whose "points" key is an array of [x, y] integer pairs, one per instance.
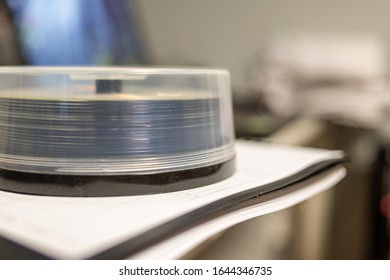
{"points": [[113, 131]]}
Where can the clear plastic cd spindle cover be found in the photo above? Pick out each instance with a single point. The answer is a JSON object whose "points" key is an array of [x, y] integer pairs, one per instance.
{"points": [[87, 131]]}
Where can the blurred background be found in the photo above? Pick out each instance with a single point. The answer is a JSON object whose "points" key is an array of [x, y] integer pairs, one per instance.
{"points": [[310, 73]]}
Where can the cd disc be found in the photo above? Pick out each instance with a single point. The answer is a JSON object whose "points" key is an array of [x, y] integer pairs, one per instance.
{"points": [[112, 131]]}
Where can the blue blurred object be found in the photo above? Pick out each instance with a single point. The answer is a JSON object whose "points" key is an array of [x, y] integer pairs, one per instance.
{"points": [[78, 32]]}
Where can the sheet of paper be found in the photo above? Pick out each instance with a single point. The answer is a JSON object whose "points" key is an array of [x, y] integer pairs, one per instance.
{"points": [[72, 228], [176, 247]]}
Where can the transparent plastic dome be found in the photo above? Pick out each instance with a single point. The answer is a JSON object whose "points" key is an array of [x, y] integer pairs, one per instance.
{"points": [[111, 121]]}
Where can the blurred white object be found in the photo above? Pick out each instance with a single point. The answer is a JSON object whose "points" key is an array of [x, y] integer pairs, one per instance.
{"points": [[330, 57], [332, 75], [346, 105]]}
